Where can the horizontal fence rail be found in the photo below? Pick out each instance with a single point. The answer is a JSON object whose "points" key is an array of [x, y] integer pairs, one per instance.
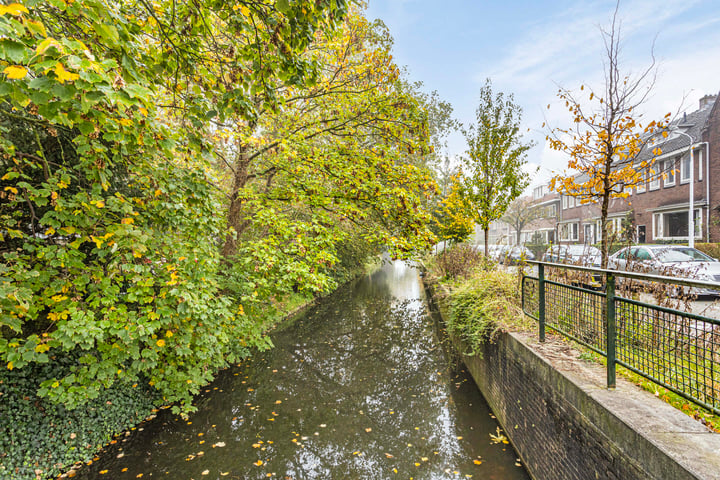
{"points": [[675, 349]]}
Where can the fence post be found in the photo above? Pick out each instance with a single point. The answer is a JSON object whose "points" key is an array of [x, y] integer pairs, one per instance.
{"points": [[541, 301], [610, 330]]}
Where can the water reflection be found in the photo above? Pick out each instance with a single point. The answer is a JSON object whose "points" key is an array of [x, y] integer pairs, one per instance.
{"points": [[358, 387]]}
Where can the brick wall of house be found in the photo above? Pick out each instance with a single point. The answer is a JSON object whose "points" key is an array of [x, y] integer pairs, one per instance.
{"points": [[712, 136]]}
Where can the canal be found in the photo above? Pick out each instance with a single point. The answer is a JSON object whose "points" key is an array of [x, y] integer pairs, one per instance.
{"points": [[358, 387]]}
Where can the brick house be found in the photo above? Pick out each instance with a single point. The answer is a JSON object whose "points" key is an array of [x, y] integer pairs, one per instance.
{"points": [[659, 206]]}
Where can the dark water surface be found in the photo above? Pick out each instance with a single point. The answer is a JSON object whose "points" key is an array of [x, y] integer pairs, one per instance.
{"points": [[358, 387]]}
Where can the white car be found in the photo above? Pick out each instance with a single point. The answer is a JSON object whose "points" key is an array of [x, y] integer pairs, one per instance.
{"points": [[669, 260]]}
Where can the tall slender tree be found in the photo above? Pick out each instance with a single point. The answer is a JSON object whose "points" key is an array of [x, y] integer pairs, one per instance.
{"points": [[607, 136], [493, 174]]}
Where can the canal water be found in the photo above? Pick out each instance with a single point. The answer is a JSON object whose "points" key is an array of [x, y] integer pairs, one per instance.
{"points": [[358, 387]]}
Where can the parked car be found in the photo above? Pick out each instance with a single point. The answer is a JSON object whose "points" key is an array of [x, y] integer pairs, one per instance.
{"points": [[669, 260], [496, 251], [582, 255], [585, 255], [516, 254]]}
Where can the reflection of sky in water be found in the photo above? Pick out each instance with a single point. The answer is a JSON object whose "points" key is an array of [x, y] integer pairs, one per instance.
{"points": [[358, 387]]}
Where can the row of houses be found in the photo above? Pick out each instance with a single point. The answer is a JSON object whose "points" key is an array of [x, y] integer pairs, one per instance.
{"points": [[684, 177]]}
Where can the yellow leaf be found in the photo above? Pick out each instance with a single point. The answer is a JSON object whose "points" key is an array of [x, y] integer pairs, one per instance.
{"points": [[13, 9], [12, 190], [63, 75], [477, 462], [47, 43], [15, 72], [10, 366], [127, 221], [258, 463], [161, 343]]}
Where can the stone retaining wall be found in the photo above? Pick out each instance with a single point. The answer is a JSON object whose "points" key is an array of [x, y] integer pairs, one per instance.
{"points": [[565, 424]]}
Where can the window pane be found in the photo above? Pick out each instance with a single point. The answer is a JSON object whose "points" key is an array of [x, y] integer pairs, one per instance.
{"points": [[676, 224]]}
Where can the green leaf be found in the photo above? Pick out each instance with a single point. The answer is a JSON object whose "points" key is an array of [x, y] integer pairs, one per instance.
{"points": [[108, 33]]}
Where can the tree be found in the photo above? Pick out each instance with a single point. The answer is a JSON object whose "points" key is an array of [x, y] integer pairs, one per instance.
{"points": [[109, 213], [607, 138], [455, 219], [341, 159], [493, 166], [520, 213]]}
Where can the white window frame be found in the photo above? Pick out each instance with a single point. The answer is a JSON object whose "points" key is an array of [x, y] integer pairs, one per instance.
{"points": [[564, 202], [669, 173], [642, 184], [684, 170], [654, 184], [570, 229], [658, 225]]}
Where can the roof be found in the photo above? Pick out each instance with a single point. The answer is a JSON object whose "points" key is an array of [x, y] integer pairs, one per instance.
{"points": [[692, 124]]}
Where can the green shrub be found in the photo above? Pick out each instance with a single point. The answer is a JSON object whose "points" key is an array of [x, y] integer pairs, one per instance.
{"points": [[486, 302], [40, 439], [712, 249], [457, 261]]}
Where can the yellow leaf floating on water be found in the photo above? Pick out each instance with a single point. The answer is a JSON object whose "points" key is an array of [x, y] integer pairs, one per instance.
{"points": [[477, 462], [258, 463], [205, 472]]}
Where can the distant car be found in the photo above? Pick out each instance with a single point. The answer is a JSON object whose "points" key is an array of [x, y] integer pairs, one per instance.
{"points": [[669, 260], [516, 254], [585, 255], [582, 255]]}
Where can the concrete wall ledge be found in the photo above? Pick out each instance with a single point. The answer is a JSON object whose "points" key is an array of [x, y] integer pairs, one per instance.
{"points": [[565, 424]]}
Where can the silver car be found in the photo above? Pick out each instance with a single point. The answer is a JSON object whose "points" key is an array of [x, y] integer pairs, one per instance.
{"points": [[669, 260]]}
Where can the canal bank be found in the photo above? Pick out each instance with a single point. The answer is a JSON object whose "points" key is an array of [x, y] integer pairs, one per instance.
{"points": [[566, 425]]}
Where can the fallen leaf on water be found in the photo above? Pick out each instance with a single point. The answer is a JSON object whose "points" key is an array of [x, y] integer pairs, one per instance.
{"points": [[368, 430], [258, 463], [388, 455], [424, 459], [477, 462], [205, 472], [103, 472], [219, 444]]}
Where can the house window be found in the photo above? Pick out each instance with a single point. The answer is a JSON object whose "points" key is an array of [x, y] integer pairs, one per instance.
{"points": [[674, 225], [654, 179], [538, 192], [685, 169], [564, 202], [571, 202], [569, 232], [640, 187], [669, 169]]}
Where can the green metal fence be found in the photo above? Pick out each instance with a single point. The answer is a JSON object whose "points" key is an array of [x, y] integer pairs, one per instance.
{"points": [[675, 349]]}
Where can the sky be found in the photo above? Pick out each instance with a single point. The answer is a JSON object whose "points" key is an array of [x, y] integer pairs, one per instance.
{"points": [[529, 48]]}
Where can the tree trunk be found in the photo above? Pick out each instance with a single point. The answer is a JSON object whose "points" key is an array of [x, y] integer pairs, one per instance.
{"points": [[236, 220], [604, 247], [487, 238]]}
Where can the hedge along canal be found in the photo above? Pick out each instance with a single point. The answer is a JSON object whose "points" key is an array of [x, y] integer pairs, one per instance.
{"points": [[356, 387]]}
